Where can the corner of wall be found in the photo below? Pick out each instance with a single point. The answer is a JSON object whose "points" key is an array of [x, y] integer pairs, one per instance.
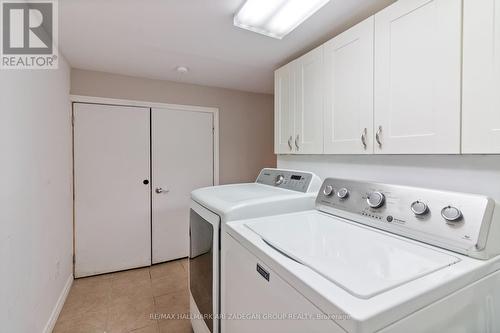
{"points": [[51, 323]]}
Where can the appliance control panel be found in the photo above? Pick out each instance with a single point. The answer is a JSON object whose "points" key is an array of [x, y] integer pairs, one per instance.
{"points": [[454, 221], [288, 179]]}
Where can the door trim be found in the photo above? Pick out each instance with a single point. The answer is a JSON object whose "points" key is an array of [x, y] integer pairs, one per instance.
{"points": [[136, 103]]}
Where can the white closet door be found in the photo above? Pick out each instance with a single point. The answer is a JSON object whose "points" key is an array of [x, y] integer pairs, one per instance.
{"points": [[112, 203], [182, 154], [418, 77], [284, 106], [348, 126], [481, 77], [308, 138]]}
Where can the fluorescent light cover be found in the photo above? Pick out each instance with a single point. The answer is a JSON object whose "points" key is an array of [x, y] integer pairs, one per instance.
{"points": [[276, 18]]}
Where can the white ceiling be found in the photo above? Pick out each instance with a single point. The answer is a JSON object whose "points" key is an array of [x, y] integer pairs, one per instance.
{"points": [[150, 38]]}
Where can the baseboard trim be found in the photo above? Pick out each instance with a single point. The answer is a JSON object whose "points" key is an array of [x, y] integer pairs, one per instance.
{"points": [[59, 305]]}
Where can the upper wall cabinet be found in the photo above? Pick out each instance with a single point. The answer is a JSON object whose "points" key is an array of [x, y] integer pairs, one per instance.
{"points": [[284, 109], [299, 105], [418, 77], [481, 77], [309, 109], [348, 58]]}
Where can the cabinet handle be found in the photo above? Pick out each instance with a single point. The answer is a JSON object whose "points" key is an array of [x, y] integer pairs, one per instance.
{"points": [[377, 136], [297, 142], [290, 143], [363, 138]]}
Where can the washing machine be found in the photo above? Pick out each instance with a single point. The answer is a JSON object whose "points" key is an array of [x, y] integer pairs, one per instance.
{"points": [[369, 258]]}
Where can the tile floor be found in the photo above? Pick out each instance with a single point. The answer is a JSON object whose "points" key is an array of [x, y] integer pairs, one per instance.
{"points": [[124, 302]]}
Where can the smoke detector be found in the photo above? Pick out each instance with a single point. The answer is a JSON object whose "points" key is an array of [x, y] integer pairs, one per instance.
{"points": [[182, 69]]}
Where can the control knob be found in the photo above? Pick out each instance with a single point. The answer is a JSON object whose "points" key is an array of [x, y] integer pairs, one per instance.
{"points": [[419, 208], [343, 193], [451, 214], [328, 190], [279, 179], [375, 199]]}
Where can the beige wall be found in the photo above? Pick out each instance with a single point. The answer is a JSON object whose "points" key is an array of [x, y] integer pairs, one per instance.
{"points": [[245, 119]]}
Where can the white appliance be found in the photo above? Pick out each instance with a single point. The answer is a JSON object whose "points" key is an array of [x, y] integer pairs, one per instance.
{"points": [[369, 258], [274, 192]]}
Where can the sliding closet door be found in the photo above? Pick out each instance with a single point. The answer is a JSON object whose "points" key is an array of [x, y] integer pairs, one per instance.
{"points": [[112, 189], [182, 155]]}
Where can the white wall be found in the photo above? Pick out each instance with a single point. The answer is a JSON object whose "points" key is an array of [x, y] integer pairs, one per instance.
{"points": [[35, 196], [467, 173]]}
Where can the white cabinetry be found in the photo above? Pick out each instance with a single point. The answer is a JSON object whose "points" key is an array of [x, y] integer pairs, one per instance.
{"points": [[401, 82], [284, 109], [481, 77], [417, 77], [348, 125], [309, 109], [299, 105]]}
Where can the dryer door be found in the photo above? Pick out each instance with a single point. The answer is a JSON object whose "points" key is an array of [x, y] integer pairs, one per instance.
{"points": [[204, 266]]}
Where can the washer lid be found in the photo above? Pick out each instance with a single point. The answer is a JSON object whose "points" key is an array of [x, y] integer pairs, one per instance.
{"points": [[361, 260]]}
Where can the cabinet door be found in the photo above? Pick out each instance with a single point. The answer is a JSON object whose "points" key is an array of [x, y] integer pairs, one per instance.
{"points": [[481, 77], [348, 125], [283, 110], [308, 135], [418, 77]]}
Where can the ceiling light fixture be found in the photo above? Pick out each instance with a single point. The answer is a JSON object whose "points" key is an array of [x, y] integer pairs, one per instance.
{"points": [[275, 18]]}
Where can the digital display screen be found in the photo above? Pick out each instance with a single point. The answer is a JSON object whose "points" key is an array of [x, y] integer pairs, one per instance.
{"points": [[295, 177]]}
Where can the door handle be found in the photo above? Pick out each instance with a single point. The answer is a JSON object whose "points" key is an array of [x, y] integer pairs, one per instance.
{"points": [[290, 143], [363, 138], [159, 190], [297, 142], [377, 136]]}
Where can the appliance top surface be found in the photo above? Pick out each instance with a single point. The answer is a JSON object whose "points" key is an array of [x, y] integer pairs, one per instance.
{"points": [[238, 193], [273, 188], [348, 268], [361, 261], [227, 197]]}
